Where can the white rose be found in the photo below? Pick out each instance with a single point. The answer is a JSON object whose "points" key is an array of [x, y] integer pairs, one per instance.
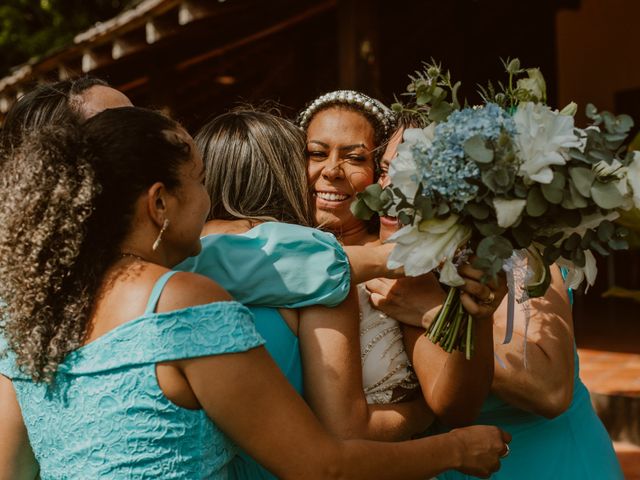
{"points": [[542, 139], [421, 249]]}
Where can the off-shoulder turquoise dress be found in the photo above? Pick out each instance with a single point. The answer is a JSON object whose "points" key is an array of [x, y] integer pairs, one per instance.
{"points": [[275, 265], [106, 417], [571, 446]]}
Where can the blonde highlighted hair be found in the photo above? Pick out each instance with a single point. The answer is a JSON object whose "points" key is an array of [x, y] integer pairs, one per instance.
{"points": [[256, 168]]}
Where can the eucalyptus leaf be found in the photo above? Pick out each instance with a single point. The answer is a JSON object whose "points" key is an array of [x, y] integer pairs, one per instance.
{"points": [[488, 229], [606, 195], [576, 197], [504, 178], [440, 112], [572, 242], [601, 155], [483, 264], [588, 237], [551, 194], [523, 235], [597, 246], [591, 111], [618, 244], [360, 210], [502, 247], [606, 230], [624, 123], [551, 254], [520, 191], [423, 97], [443, 209], [536, 204], [479, 211], [578, 155], [476, 149], [404, 218], [424, 206], [582, 178], [371, 196], [485, 248], [578, 258]]}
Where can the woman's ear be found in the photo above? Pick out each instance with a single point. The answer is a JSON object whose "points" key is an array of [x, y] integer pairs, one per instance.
{"points": [[157, 202]]}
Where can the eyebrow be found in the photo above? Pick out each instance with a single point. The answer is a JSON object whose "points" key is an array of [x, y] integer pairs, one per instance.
{"points": [[345, 148]]}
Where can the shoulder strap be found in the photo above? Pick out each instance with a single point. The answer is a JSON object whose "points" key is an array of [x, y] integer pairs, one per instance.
{"points": [[157, 291]]}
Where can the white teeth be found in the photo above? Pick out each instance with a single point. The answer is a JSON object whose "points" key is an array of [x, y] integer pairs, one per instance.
{"points": [[334, 197]]}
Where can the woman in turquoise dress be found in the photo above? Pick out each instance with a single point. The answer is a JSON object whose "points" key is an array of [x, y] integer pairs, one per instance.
{"points": [[256, 172], [116, 366], [536, 393]]}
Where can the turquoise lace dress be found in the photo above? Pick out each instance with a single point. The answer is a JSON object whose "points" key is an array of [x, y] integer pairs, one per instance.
{"points": [[277, 265], [572, 446], [106, 417]]}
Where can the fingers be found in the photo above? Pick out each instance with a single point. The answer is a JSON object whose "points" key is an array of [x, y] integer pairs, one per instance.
{"points": [[466, 270], [380, 286], [506, 436], [480, 291], [377, 300]]}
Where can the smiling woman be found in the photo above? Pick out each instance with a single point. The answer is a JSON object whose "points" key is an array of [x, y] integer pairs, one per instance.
{"points": [[345, 130]]}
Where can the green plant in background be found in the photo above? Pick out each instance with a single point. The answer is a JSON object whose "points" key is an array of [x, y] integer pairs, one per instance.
{"points": [[33, 28]]}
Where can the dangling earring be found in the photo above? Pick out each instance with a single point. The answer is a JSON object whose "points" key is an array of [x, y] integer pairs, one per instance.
{"points": [[156, 244]]}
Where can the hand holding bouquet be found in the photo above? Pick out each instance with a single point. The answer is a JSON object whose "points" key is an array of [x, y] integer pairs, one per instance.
{"points": [[510, 178]]}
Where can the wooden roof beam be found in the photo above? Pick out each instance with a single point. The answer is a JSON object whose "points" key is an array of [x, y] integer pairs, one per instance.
{"points": [[128, 44], [161, 27], [192, 10], [92, 59]]}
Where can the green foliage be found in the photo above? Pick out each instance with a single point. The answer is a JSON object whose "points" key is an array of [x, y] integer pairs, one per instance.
{"points": [[33, 28]]}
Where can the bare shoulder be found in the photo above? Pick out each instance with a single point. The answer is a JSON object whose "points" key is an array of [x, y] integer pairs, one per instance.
{"points": [[186, 289]]}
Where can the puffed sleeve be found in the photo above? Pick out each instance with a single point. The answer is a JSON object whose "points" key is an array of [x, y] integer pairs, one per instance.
{"points": [[276, 265]]}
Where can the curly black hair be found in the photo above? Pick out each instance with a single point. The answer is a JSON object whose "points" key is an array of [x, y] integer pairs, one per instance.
{"points": [[67, 198]]}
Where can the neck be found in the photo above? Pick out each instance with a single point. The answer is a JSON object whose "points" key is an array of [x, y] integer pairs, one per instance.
{"points": [[354, 235], [240, 225]]}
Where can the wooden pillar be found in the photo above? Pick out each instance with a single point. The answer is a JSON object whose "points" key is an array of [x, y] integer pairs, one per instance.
{"points": [[358, 46]]}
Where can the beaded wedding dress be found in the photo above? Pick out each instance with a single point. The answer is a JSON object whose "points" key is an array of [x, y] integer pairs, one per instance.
{"points": [[387, 375]]}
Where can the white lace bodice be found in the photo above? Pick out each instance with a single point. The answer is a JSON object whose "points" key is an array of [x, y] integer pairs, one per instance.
{"points": [[385, 364]]}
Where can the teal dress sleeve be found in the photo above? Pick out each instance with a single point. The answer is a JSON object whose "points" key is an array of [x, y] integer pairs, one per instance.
{"points": [[276, 265]]}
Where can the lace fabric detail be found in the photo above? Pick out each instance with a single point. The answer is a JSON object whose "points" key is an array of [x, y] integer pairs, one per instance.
{"points": [[106, 416], [385, 364]]}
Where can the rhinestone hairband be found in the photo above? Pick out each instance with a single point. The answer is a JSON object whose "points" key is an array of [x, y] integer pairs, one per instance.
{"points": [[384, 115]]}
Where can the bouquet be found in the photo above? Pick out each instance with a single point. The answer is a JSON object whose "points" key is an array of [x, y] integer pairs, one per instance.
{"points": [[509, 179]]}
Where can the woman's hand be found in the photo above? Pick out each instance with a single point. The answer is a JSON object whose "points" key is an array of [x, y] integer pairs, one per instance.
{"points": [[482, 448], [481, 299], [411, 300]]}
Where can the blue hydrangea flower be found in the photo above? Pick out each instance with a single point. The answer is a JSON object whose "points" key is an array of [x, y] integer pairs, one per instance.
{"points": [[443, 167]]}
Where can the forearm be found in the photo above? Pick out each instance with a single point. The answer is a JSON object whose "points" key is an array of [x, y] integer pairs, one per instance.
{"points": [[398, 421], [418, 459], [455, 388], [544, 386], [369, 262]]}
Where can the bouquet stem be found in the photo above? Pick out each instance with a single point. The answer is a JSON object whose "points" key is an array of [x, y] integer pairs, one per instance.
{"points": [[452, 328]]}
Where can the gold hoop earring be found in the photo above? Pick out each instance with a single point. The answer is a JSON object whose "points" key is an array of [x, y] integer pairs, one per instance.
{"points": [[156, 244]]}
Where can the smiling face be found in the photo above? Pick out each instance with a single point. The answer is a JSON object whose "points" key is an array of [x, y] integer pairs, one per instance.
{"points": [[340, 145], [389, 225]]}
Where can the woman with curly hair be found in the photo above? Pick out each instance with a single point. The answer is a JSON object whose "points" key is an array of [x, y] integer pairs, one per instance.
{"points": [[118, 366]]}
